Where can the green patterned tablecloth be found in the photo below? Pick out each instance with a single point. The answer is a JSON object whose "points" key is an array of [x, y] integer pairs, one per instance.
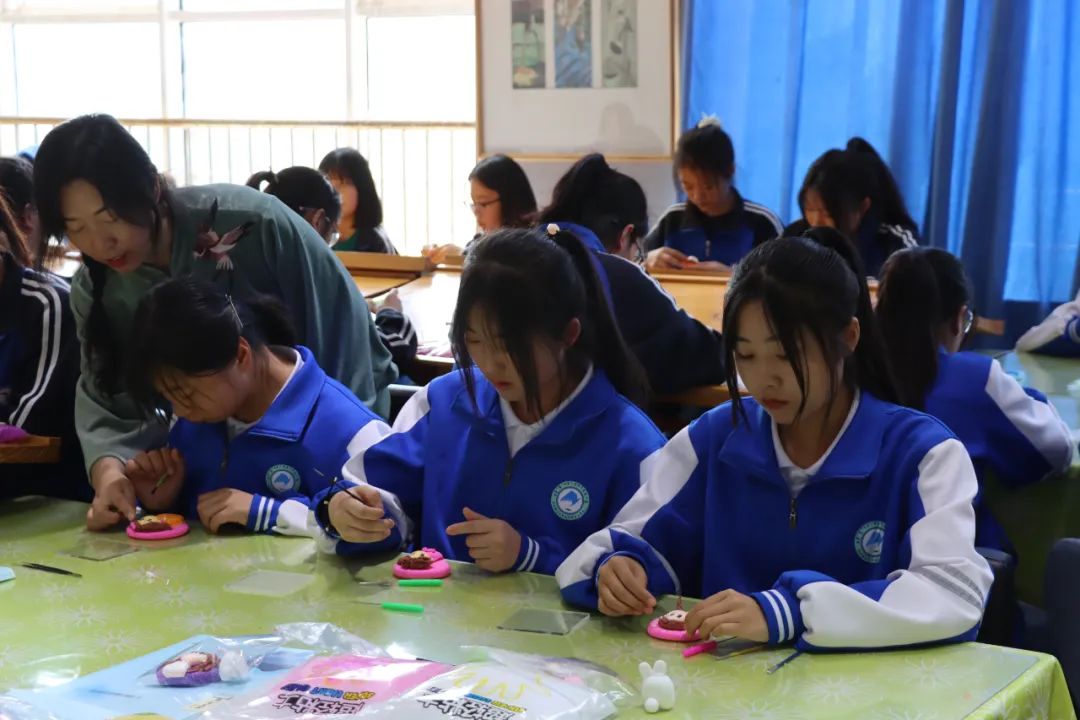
{"points": [[54, 628]]}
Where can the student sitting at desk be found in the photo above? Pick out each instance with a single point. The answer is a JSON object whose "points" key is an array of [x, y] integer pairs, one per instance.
{"points": [[361, 210], [310, 195], [606, 210], [532, 445], [39, 366], [501, 196], [817, 510], [1014, 432], [854, 191], [260, 429], [715, 226]]}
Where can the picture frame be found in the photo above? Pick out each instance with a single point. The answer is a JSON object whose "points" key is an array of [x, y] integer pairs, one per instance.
{"points": [[560, 78]]}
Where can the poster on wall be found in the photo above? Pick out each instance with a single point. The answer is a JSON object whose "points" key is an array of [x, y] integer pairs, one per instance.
{"points": [[573, 43], [562, 77], [618, 50], [527, 43]]}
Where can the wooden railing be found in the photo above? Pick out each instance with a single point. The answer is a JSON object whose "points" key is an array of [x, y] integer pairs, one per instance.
{"points": [[420, 168]]}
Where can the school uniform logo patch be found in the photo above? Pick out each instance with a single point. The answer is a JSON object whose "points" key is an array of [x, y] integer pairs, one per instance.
{"points": [[570, 500], [869, 540], [282, 479]]}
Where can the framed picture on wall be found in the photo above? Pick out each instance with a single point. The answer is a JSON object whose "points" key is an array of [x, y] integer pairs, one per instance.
{"points": [[558, 78]]}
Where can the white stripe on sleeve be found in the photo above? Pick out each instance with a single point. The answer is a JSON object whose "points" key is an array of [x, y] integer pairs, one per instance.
{"points": [[939, 595], [664, 474], [1037, 421], [50, 346]]}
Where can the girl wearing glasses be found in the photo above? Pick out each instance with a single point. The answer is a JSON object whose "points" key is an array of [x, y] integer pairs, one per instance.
{"points": [[925, 313], [499, 196]]}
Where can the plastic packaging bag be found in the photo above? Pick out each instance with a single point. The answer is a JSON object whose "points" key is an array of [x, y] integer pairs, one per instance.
{"points": [[494, 691], [327, 639], [227, 660], [339, 685]]}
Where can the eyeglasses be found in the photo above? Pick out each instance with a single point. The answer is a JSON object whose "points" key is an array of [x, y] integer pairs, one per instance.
{"points": [[475, 207]]}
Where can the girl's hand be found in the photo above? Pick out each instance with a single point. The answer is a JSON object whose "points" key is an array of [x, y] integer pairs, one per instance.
{"points": [[493, 544], [623, 588], [665, 258], [224, 506], [439, 253], [158, 477], [358, 516], [114, 495], [728, 613]]}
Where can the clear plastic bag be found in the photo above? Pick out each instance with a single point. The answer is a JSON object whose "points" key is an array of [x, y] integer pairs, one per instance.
{"points": [[334, 686], [227, 660], [495, 691]]}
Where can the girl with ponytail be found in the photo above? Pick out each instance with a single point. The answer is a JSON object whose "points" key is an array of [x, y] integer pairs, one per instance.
{"points": [[853, 191], [95, 185], [533, 444], [260, 427], [816, 510], [606, 210], [924, 308]]}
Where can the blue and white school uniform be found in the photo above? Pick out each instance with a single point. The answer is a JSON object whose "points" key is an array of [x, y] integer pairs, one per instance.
{"points": [[555, 482], [871, 547], [293, 451], [1009, 430], [726, 238]]}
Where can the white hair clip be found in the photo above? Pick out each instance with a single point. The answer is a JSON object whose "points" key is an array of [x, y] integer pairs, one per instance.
{"points": [[553, 229], [707, 120], [235, 314]]}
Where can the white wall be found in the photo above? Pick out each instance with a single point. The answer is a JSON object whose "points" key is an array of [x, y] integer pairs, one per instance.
{"points": [[655, 179]]}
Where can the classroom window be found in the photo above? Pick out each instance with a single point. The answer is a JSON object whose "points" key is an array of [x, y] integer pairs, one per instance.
{"points": [[178, 68]]}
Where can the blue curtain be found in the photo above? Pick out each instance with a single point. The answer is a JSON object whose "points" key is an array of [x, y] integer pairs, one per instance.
{"points": [[975, 104]]}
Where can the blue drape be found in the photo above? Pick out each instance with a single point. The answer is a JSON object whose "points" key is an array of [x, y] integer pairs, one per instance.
{"points": [[975, 104]]}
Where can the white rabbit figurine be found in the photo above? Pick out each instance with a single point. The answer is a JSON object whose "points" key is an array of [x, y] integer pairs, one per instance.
{"points": [[657, 687]]}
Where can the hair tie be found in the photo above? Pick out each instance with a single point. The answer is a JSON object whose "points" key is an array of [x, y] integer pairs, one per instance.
{"points": [[709, 119], [553, 229]]}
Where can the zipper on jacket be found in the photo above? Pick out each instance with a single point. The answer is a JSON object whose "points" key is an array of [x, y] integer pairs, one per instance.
{"points": [[793, 514], [508, 472], [708, 250]]}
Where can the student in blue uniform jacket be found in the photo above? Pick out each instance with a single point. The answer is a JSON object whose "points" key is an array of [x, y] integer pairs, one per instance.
{"points": [[818, 510], [854, 191], [606, 210], [528, 449], [715, 226], [39, 366], [1011, 431], [261, 427]]}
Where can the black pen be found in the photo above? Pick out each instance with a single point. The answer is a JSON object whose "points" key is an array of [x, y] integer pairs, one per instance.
{"points": [[50, 569]]}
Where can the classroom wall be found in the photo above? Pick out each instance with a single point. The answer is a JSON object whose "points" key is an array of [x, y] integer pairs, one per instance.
{"points": [[655, 179]]}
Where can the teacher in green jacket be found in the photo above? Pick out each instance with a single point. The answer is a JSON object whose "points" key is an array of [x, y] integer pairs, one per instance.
{"points": [[94, 184]]}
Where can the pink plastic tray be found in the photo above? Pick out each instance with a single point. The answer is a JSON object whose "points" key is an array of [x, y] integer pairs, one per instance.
{"points": [[439, 569], [175, 532], [660, 633]]}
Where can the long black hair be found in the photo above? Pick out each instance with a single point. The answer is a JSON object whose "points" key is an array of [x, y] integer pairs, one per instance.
{"points": [[812, 284], [844, 178], [17, 183], [190, 326], [97, 149], [301, 189], [12, 240], [508, 180], [530, 285], [348, 164], [594, 194], [707, 149], [922, 288]]}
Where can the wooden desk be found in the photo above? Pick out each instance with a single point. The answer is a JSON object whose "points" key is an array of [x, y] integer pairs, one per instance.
{"points": [[373, 284], [33, 450], [378, 273]]}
